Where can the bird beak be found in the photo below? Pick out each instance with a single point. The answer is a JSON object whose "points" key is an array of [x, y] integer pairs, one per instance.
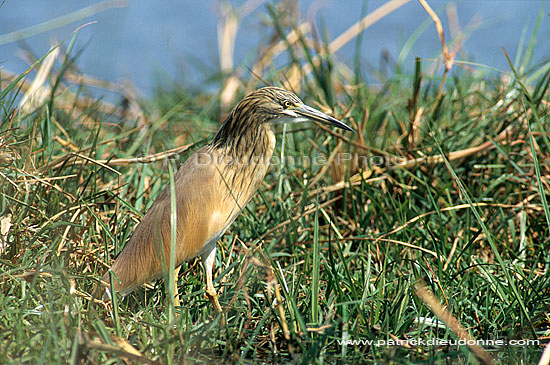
{"points": [[318, 116]]}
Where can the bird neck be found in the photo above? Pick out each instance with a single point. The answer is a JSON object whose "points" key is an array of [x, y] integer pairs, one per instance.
{"points": [[247, 141], [243, 156]]}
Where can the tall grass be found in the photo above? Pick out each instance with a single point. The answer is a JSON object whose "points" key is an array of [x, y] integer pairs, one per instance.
{"points": [[446, 188]]}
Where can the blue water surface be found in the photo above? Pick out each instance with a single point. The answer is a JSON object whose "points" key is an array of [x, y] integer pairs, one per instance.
{"points": [[178, 39]]}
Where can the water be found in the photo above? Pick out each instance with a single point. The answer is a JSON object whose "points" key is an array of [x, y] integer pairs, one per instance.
{"points": [[179, 38]]}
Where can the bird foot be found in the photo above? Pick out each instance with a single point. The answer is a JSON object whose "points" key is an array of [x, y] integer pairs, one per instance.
{"points": [[213, 297]]}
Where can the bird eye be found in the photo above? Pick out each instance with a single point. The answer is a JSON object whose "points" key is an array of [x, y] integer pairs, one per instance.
{"points": [[287, 104]]}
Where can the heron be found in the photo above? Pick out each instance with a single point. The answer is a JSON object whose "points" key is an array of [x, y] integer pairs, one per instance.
{"points": [[211, 189]]}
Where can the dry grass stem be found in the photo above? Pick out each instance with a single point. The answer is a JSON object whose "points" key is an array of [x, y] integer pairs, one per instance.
{"points": [[447, 57], [357, 28], [452, 323]]}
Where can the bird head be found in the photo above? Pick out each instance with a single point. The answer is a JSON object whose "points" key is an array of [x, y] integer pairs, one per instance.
{"points": [[276, 105], [254, 116]]}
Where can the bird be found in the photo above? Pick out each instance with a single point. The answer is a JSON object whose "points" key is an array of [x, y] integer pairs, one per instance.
{"points": [[211, 189]]}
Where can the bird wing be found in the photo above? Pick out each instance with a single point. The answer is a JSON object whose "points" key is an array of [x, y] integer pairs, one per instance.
{"points": [[206, 206]]}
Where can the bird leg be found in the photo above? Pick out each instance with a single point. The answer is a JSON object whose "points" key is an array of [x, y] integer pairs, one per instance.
{"points": [[177, 302], [208, 262]]}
